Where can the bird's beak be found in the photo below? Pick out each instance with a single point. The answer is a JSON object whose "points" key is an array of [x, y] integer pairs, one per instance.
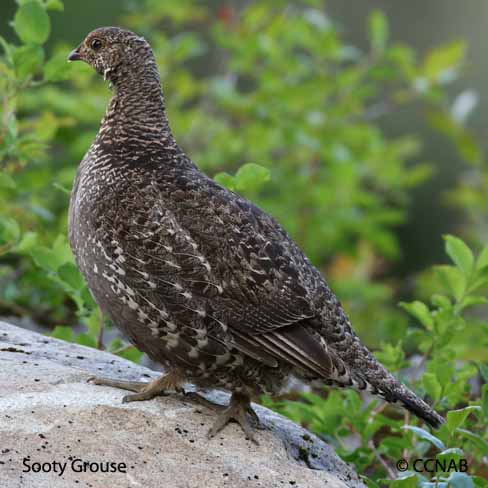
{"points": [[75, 55]]}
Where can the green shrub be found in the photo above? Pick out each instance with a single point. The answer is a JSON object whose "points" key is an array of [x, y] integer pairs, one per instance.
{"points": [[277, 106], [452, 372]]}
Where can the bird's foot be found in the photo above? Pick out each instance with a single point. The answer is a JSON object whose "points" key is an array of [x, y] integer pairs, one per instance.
{"points": [[239, 410], [142, 390], [201, 400]]}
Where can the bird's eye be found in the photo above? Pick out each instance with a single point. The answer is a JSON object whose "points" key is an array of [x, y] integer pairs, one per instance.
{"points": [[96, 44]]}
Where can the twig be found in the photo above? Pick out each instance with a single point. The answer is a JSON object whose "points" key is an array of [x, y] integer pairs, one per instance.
{"points": [[101, 330], [380, 408], [423, 359], [388, 469], [406, 454], [127, 347], [15, 308]]}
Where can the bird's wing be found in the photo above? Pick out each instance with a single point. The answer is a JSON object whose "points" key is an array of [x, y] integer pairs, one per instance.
{"points": [[277, 318], [251, 282], [269, 287]]}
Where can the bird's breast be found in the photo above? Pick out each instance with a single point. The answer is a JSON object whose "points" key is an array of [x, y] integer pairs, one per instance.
{"points": [[149, 275]]}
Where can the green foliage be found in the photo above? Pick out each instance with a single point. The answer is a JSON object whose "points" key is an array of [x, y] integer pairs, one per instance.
{"points": [[448, 373], [37, 263], [378, 31], [31, 23], [249, 178], [289, 91], [272, 101]]}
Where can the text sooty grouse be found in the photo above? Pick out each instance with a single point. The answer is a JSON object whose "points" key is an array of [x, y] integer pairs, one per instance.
{"points": [[196, 276]]}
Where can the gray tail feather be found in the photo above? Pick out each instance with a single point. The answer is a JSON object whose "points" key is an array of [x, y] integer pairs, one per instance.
{"points": [[393, 391], [418, 407], [383, 384]]}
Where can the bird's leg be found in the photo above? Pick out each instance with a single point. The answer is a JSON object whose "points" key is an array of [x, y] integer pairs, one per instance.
{"points": [[217, 407], [143, 390], [238, 409]]}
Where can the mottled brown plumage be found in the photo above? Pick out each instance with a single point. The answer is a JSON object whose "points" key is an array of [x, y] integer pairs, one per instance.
{"points": [[196, 276]]}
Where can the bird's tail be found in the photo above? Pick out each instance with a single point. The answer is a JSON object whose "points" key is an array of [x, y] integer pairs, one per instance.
{"points": [[366, 373], [381, 382], [416, 405]]}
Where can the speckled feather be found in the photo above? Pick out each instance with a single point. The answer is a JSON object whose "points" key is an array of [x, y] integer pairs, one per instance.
{"points": [[196, 276]]}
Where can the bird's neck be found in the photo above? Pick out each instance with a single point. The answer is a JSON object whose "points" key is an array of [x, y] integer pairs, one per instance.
{"points": [[136, 115]]}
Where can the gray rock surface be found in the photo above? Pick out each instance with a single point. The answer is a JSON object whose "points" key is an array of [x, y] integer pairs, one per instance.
{"points": [[49, 413]]}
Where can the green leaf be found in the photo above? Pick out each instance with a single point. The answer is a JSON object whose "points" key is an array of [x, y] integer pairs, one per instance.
{"points": [[452, 452], [63, 332], [69, 273], [61, 247], [456, 418], [479, 482], [27, 243], [466, 144], [9, 230], [115, 344], [409, 481], [460, 253], [442, 60], [87, 298], [31, 23], [378, 30], [454, 279], [420, 311], [226, 180], [62, 188], [12, 126], [46, 258], [423, 434], [479, 280], [391, 356], [94, 322], [7, 49], [476, 439], [369, 482], [473, 300], [460, 480], [484, 371], [57, 68], [251, 176], [6, 181], [432, 386], [132, 354], [440, 301], [23, 2], [86, 340], [55, 5], [28, 60], [482, 261]]}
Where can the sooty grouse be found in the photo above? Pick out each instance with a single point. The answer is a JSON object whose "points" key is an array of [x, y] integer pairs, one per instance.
{"points": [[196, 276]]}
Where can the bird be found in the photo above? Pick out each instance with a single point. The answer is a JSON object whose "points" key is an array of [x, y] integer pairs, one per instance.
{"points": [[196, 276]]}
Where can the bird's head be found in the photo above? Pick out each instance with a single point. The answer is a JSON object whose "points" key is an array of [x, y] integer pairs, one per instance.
{"points": [[112, 51]]}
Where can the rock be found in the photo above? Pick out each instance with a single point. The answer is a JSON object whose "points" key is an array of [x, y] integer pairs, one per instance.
{"points": [[50, 414]]}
